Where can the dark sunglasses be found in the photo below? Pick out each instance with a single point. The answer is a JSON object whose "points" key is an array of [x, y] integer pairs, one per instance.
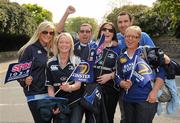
{"points": [[46, 32], [84, 31], [109, 30]]}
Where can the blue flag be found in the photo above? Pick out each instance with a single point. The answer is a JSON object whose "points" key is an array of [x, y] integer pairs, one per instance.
{"points": [[18, 71], [90, 98], [83, 72], [142, 72], [100, 48]]}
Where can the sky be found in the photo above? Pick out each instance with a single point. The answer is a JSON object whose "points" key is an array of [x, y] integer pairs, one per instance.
{"points": [[87, 8]]}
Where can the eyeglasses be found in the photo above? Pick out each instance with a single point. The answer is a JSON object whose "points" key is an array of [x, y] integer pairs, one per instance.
{"points": [[84, 31], [46, 32], [131, 36], [109, 30]]}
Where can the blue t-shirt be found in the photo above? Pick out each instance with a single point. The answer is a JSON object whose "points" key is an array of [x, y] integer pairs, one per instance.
{"points": [[145, 40]]}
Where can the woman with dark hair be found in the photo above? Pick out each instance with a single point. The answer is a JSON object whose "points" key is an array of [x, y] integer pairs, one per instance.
{"points": [[105, 66]]}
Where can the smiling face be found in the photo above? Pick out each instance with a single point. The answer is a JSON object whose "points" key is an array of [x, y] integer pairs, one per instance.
{"points": [[46, 36], [108, 32], [64, 44], [132, 37], [85, 34], [123, 22]]}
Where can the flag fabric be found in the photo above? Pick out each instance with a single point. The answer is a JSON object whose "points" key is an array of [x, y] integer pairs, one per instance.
{"points": [[83, 72], [142, 72], [18, 71], [100, 48]]}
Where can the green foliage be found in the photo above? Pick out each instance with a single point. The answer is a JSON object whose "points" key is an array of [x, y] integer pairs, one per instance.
{"points": [[133, 9], [38, 13], [73, 24], [15, 20], [169, 9], [151, 23]]}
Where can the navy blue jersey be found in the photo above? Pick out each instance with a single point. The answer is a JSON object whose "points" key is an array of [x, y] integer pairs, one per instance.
{"points": [[56, 76], [105, 64], [38, 54], [85, 52]]}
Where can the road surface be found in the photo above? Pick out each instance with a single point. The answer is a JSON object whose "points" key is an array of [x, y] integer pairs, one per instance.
{"points": [[13, 107]]}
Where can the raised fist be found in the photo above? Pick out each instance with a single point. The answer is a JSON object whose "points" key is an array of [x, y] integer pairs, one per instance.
{"points": [[70, 9]]}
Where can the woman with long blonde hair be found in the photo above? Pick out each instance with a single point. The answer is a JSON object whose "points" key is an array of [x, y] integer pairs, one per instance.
{"points": [[37, 50]]}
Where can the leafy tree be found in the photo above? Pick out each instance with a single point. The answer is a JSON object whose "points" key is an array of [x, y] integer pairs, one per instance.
{"points": [[169, 10], [133, 9], [15, 20], [38, 13], [73, 24]]}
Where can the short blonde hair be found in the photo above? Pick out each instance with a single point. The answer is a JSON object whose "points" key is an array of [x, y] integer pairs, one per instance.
{"points": [[136, 29]]}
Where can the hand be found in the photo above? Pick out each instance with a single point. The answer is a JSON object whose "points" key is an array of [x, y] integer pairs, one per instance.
{"points": [[28, 80], [65, 87], [152, 97], [125, 84], [56, 111], [70, 10], [104, 78]]}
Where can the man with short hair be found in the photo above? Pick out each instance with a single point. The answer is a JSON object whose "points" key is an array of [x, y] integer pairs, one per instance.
{"points": [[81, 46], [124, 20]]}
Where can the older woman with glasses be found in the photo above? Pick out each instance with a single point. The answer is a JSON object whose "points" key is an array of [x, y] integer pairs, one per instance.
{"points": [[37, 49], [138, 80]]}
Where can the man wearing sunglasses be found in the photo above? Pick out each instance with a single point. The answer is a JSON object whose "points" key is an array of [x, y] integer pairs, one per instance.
{"points": [[82, 46]]}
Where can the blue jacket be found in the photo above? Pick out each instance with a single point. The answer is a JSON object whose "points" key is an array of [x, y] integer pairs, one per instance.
{"points": [[38, 54]]}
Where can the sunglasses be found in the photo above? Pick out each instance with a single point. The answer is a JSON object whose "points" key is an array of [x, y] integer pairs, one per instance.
{"points": [[46, 32], [106, 29], [84, 31]]}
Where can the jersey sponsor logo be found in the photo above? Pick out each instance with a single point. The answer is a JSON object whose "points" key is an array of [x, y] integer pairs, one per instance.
{"points": [[123, 60], [63, 78], [39, 52], [111, 56], [53, 67], [71, 67]]}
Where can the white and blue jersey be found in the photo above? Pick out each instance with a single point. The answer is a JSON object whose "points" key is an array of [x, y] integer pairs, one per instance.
{"points": [[141, 77]]}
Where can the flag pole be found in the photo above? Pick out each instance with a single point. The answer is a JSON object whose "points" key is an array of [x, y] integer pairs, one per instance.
{"points": [[67, 79], [133, 69]]}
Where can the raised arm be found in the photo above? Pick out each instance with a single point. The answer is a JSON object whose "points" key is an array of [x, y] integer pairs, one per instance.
{"points": [[60, 26]]}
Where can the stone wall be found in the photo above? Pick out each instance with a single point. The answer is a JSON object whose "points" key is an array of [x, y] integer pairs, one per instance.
{"points": [[170, 45]]}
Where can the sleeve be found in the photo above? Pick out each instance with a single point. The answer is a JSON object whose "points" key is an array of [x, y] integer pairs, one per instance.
{"points": [[49, 78], [118, 73], [160, 73], [146, 40], [27, 55]]}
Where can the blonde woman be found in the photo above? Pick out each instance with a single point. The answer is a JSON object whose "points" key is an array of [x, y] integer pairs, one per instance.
{"points": [[140, 97], [59, 68], [37, 49]]}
